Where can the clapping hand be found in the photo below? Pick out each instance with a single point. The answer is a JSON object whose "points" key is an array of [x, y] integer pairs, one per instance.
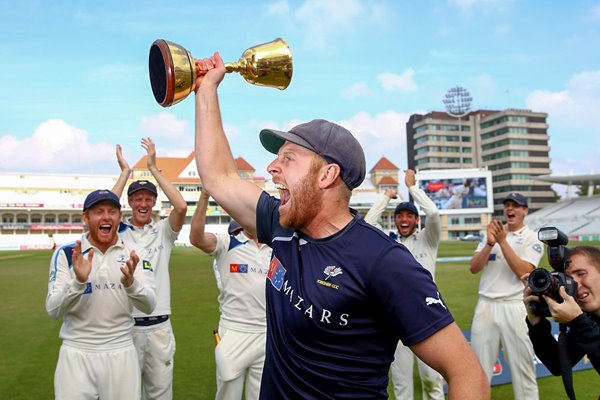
{"points": [[82, 266], [128, 269]]}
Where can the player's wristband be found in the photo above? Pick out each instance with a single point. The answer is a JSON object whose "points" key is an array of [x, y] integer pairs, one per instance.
{"points": [[489, 244]]}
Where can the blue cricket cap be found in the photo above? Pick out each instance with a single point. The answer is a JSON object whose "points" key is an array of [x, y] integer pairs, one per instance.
{"points": [[98, 196], [517, 198], [406, 206]]}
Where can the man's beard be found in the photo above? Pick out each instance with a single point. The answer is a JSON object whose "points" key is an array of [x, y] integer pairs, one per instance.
{"points": [[306, 203]]}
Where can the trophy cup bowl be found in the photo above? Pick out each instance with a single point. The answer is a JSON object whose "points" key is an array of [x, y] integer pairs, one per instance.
{"points": [[173, 71]]}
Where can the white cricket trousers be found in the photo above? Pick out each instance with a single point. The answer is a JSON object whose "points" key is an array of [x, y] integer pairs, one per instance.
{"points": [[155, 347], [432, 383], [501, 325], [239, 356], [97, 374]]}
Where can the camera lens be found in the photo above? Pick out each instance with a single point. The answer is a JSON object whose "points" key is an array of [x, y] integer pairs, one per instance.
{"points": [[540, 280]]}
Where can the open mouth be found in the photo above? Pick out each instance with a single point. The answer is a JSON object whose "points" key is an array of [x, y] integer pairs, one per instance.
{"points": [[404, 229], [105, 229], [284, 193]]}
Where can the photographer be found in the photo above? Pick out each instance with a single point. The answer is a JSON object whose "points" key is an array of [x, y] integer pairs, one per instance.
{"points": [[581, 314]]}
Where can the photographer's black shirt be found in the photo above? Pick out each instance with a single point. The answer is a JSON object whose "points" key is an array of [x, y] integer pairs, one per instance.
{"points": [[583, 338]]}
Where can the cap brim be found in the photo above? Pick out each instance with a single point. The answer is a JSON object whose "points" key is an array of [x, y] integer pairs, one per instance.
{"points": [[115, 203], [141, 188], [272, 140], [516, 202]]}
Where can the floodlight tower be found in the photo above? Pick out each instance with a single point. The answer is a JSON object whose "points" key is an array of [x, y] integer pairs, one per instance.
{"points": [[458, 104]]}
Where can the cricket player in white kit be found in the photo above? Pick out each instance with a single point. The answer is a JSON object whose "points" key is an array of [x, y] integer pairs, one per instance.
{"points": [[242, 263], [507, 253], [93, 285], [153, 334], [423, 244]]}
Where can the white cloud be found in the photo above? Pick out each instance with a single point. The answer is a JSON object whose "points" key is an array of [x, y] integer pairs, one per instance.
{"points": [[163, 125], [322, 21], [382, 134], [56, 146], [278, 8], [357, 90], [173, 137], [594, 14], [572, 116], [576, 106], [405, 82]]}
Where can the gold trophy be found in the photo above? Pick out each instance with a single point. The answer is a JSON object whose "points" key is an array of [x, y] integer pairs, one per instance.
{"points": [[173, 71]]}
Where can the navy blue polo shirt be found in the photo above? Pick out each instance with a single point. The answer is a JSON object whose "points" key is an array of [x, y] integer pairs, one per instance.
{"points": [[336, 308]]}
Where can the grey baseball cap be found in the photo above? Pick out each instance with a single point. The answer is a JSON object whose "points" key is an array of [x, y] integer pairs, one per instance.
{"points": [[331, 141]]}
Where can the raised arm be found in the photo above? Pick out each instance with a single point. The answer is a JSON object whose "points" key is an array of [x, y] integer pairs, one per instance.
{"points": [[214, 159], [433, 227], [374, 213], [457, 363], [177, 215], [125, 172], [205, 241]]}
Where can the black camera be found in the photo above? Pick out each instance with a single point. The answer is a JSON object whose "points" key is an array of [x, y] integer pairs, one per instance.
{"points": [[544, 282]]}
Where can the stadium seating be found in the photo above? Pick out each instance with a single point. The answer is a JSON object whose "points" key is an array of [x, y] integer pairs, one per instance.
{"points": [[25, 242], [578, 217], [64, 238], [184, 235]]}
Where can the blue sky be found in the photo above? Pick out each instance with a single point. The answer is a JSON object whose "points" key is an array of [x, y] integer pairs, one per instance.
{"points": [[74, 75]]}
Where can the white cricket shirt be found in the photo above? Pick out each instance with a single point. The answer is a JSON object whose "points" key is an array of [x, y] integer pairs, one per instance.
{"points": [[423, 244], [498, 281], [158, 239], [242, 266], [97, 314]]}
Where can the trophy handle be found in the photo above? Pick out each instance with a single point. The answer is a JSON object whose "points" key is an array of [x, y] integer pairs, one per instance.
{"points": [[268, 64]]}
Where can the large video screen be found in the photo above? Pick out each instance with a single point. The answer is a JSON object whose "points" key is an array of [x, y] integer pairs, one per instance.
{"points": [[460, 191]]}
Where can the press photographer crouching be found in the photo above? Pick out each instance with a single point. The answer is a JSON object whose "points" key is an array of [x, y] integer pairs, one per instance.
{"points": [[571, 295]]}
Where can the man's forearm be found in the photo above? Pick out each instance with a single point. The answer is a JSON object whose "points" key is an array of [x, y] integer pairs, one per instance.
{"points": [[480, 259], [423, 201], [518, 266], [213, 154], [374, 213]]}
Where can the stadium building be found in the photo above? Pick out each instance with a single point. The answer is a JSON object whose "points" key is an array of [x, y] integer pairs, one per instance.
{"points": [[512, 144], [43, 210]]}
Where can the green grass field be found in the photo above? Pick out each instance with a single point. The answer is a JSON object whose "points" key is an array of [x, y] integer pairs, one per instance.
{"points": [[29, 338]]}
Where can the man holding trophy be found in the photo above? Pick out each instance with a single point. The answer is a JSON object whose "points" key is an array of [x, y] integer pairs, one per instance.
{"points": [[337, 300]]}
